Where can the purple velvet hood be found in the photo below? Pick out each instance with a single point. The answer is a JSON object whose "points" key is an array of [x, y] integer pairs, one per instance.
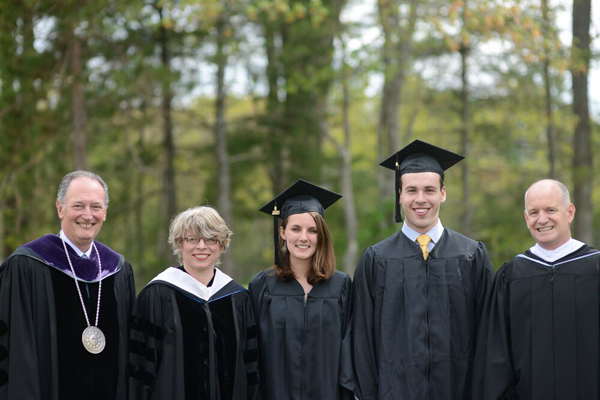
{"points": [[49, 250]]}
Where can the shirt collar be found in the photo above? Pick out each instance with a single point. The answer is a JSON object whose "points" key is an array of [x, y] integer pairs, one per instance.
{"points": [[80, 253], [434, 233], [552, 255]]}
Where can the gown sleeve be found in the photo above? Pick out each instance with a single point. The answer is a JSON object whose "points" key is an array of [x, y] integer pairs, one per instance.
{"points": [[256, 287], [146, 342], [493, 370], [484, 276], [19, 362], [346, 379], [251, 350], [363, 343]]}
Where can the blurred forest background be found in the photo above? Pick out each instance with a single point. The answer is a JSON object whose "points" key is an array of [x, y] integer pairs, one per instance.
{"points": [[177, 103]]}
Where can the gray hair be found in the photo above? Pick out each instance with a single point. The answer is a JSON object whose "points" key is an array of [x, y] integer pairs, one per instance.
{"points": [[204, 222], [564, 191], [68, 178]]}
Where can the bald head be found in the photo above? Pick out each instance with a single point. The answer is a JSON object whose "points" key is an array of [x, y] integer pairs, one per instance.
{"points": [[546, 183], [549, 213]]}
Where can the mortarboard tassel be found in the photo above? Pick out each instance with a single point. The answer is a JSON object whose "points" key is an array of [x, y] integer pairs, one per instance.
{"points": [[275, 215], [397, 186]]}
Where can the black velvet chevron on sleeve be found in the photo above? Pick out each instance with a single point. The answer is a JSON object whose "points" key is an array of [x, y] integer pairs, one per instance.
{"points": [[251, 350], [145, 345], [144, 350]]}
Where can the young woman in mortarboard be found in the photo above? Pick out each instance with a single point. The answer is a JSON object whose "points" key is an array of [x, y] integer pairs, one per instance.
{"points": [[302, 305], [192, 330]]}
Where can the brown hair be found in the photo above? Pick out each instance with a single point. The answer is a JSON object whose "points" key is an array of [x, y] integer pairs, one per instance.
{"points": [[322, 265], [441, 183]]}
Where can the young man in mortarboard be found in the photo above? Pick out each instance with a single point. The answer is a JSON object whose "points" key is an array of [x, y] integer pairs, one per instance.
{"points": [[64, 306], [418, 295], [539, 336]]}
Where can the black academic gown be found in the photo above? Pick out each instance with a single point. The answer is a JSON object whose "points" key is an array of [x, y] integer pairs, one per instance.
{"points": [[304, 345], [415, 321], [41, 322], [539, 337], [183, 347]]}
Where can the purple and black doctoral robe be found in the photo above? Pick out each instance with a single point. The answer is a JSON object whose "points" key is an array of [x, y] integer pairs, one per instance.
{"points": [[41, 322]]}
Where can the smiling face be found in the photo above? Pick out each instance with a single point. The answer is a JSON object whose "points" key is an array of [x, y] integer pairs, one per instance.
{"points": [[420, 198], [83, 211], [548, 215], [199, 257], [301, 236]]}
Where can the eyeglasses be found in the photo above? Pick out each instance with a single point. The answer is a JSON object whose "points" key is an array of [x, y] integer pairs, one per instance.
{"points": [[195, 240]]}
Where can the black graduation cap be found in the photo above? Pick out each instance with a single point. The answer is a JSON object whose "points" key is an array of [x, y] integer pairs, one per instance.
{"points": [[301, 197], [416, 157]]}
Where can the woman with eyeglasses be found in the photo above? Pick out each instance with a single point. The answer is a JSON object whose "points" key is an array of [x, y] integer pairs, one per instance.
{"points": [[192, 333], [303, 305]]}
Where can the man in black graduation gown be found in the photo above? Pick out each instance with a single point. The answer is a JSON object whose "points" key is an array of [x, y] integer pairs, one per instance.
{"points": [[418, 295], [539, 336], [64, 306]]}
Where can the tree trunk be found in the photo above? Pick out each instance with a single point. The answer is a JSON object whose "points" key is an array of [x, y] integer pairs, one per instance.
{"points": [[2, 229], [273, 120], [582, 144], [351, 252], [550, 129], [397, 51], [4, 181], [383, 175], [306, 57], [139, 203], [224, 174], [169, 195], [389, 19], [78, 107], [467, 217]]}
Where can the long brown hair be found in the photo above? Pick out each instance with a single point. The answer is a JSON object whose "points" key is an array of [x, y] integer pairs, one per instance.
{"points": [[322, 264]]}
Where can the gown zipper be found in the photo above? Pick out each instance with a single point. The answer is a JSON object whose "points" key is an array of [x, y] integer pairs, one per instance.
{"points": [[428, 327], [302, 350]]}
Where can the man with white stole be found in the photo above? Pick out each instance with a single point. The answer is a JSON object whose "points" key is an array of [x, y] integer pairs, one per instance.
{"points": [[539, 337]]}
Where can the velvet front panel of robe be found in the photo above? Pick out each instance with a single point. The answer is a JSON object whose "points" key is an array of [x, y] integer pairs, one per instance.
{"points": [[83, 375], [415, 321], [301, 343], [540, 336], [184, 348], [210, 343]]}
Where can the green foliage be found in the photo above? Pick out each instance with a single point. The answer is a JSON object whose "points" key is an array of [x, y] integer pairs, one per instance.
{"points": [[274, 137]]}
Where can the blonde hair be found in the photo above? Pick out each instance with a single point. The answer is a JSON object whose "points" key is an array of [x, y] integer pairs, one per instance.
{"points": [[203, 222]]}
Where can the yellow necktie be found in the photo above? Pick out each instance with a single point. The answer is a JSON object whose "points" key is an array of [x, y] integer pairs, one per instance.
{"points": [[423, 241]]}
